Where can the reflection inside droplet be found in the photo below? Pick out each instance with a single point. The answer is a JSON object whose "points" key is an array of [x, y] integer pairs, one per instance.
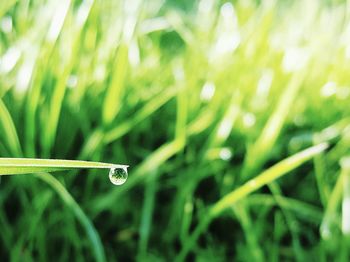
{"points": [[118, 176]]}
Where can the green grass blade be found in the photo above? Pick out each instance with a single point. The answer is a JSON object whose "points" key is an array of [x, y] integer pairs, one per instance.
{"points": [[289, 219], [32, 102], [13, 166], [250, 235], [330, 217], [8, 131], [147, 214]]}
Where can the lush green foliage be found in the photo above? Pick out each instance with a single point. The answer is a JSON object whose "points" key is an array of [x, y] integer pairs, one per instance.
{"points": [[209, 102]]}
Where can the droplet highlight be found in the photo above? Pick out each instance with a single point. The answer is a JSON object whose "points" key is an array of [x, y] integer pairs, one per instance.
{"points": [[118, 176]]}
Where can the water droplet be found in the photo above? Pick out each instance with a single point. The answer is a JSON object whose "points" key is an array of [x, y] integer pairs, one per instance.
{"points": [[118, 175]]}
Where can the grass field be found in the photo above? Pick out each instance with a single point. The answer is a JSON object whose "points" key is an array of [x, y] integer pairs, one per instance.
{"points": [[234, 118]]}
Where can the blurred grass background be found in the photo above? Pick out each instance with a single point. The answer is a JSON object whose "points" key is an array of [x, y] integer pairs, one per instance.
{"points": [[198, 98]]}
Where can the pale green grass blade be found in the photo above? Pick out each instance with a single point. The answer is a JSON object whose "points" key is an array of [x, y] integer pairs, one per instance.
{"points": [[181, 100], [112, 103], [302, 209], [28, 170], [267, 176], [227, 122], [203, 121], [8, 131], [115, 91], [258, 153], [12, 166], [96, 243], [252, 185], [93, 142]]}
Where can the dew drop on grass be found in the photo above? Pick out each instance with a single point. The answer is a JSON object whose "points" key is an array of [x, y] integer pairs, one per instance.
{"points": [[118, 175]]}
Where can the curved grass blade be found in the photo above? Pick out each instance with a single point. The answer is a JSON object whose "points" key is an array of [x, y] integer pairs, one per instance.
{"points": [[69, 201], [14, 166]]}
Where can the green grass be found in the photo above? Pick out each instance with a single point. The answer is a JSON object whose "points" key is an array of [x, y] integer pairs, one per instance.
{"points": [[222, 110]]}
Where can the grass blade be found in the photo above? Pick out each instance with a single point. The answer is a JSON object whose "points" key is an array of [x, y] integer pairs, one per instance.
{"points": [[8, 129], [112, 103], [14, 166], [257, 154]]}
